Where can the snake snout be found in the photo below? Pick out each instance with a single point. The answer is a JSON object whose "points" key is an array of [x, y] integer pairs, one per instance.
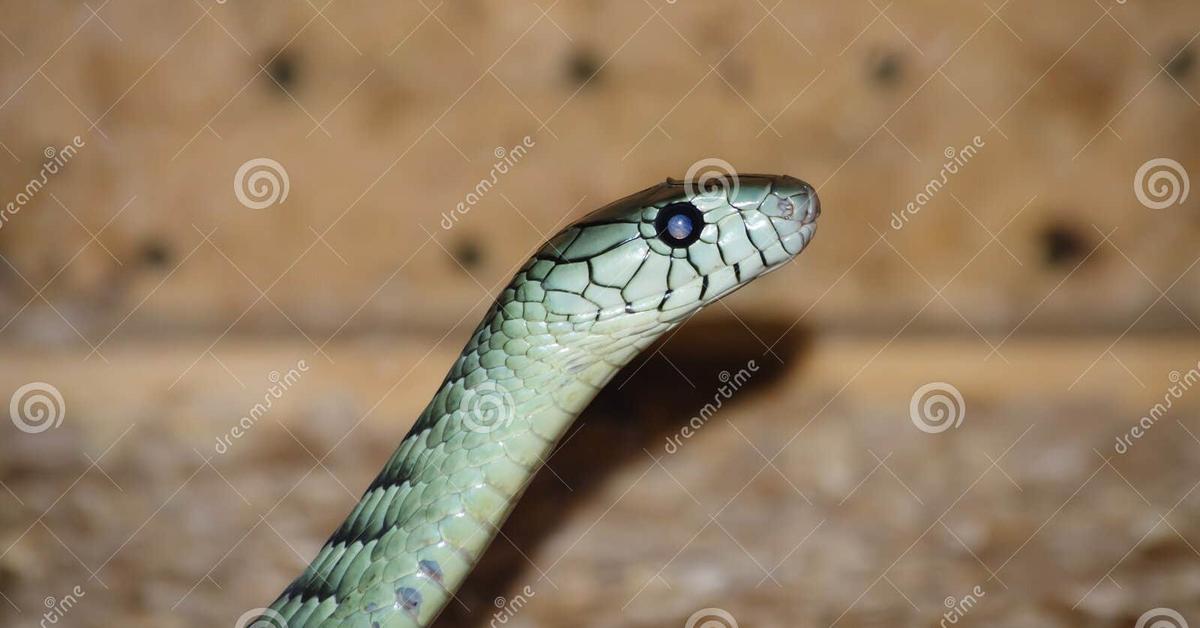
{"points": [[812, 207], [800, 201]]}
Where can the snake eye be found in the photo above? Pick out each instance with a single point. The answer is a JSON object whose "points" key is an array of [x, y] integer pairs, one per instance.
{"points": [[679, 224]]}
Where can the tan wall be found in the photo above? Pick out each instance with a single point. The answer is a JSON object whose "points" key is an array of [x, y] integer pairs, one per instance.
{"points": [[410, 119]]}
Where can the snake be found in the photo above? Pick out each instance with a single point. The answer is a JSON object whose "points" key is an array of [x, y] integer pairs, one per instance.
{"points": [[586, 303]]}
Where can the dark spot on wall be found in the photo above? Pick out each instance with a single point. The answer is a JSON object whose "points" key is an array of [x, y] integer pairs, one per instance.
{"points": [[1183, 63], [886, 68], [1062, 245], [283, 71], [467, 253], [155, 254], [582, 66]]}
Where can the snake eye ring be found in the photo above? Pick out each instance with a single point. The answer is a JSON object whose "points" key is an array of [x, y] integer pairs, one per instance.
{"points": [[679, 224]]}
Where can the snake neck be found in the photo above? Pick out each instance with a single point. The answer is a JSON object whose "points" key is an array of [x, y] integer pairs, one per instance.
{"points": [[526, 373], [516, 388]]}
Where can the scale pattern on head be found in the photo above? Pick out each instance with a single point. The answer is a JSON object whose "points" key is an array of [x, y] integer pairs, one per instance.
{"points": [[669, 248], [588, 302]]}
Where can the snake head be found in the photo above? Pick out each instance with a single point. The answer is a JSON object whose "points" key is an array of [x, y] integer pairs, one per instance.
{"points": [[671, 248]]}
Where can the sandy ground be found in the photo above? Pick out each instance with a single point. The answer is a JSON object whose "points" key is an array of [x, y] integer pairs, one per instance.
{"points": [[804, 501]]}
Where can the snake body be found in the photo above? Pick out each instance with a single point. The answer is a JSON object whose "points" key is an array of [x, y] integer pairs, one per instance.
{"points": [[583, 306]]}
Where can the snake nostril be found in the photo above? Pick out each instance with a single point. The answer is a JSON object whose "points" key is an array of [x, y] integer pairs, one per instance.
{"points": [[812, 209]]}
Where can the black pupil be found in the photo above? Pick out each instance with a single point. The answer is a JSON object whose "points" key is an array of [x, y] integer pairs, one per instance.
{"points": [[679, 224]]}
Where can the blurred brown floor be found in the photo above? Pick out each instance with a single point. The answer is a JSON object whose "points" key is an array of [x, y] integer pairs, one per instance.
{"points": [[860, 520]]}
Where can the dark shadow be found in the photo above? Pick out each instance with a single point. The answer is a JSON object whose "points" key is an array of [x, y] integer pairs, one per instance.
{"points": [[645, 403]]}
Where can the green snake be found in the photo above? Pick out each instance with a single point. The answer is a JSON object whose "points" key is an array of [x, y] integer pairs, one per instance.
{"points": [[583, 306]]}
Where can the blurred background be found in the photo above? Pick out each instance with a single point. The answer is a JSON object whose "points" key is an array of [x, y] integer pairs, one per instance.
{"points": [[972, 403]]}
